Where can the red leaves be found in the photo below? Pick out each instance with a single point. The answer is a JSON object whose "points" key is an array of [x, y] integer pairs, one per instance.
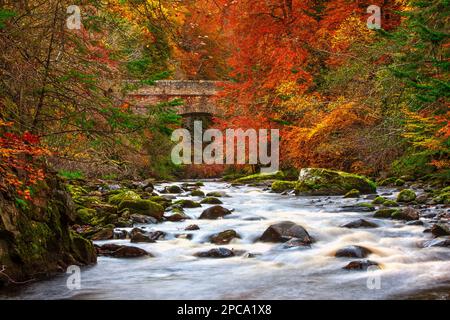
{"points": [[19, 168]]}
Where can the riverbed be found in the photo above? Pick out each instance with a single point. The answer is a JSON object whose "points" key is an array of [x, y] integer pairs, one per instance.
{"points": [[268, 270]]}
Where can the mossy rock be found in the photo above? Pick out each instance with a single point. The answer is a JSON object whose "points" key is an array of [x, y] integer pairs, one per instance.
{"points": [[281, 186], [125, 195], [174, 189], [199, 184], [399, 182], [161, 200], [211, 200], [385, 213], [379, 200], [188, 203], [390, 203], [314, 181], [82, 249], [216, 194], [144, 207], [406, 195], [352, 194], [258, 177], [197, 193], [443, 198], [85, 215], [387, 182], [365, 205]]}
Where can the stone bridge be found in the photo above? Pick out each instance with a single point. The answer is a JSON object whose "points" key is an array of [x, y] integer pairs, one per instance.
{"points": [[198, 97]]}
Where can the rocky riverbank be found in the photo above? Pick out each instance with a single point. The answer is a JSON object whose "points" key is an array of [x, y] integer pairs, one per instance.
{"points": [[337, 221]]}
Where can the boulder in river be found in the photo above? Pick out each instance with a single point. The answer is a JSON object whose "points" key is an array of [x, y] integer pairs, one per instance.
{"points": [[185, 203], [385, 213], [192, 227], [117, 198], [197, 193], [140, 218], [408, 214], [215, 253], [440, 229], [438, 242], [354, 193], [120, 251], [143, 207], [177, 216], [285, 231], [224, 237], [214, 212], [296, 243], [353, 252], [136, 237], [361, 265], [360, 223], [315, 181], [280, 186], [211, 200], [406, 195], [173, 189], [216, 194], [103, 234]]}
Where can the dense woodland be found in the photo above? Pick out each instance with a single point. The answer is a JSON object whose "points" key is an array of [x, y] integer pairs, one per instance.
{"points": [[344, 96]]}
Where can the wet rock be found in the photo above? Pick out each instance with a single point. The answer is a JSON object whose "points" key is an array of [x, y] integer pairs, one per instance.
{"points": [[438, 242], [197, 193], [178, 216], [406, 195], [440, 229], [116, 199], [280, 186], [316, 181], [173, 189], [385, 213], [353, 252], [140, 218], [216, 194], [360, 207], [120, 251], [143, 207], [390, 203], [140, 237], [399, 182], [157, 235], [352, 194], [296, 243], [224, 237], [214, 212], [407, 214], [423, 198], [216, 253], [360, 223], [285, 231], [192, 227], [211, 200], [414, 223], [120, 234], [103, 234], [361, 265], [188, 203], [379, 200]]}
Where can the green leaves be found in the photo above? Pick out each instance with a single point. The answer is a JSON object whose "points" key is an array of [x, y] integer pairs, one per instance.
{"points": [[4, 16]]}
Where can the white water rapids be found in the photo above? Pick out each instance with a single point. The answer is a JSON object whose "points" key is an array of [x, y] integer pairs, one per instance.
{"points": [[275, 272]]}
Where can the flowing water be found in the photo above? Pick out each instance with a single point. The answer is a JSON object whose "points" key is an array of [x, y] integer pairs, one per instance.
{"points": [[274, 272]]}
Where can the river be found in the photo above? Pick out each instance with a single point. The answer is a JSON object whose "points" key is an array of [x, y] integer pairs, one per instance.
{"points": [[274, 272]]}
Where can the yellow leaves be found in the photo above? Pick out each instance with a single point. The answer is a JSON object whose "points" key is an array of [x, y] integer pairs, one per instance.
{"points": [[351, 30]]}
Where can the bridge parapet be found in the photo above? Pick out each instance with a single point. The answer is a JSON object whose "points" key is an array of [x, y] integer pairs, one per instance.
{"points": [[197, 94]]}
